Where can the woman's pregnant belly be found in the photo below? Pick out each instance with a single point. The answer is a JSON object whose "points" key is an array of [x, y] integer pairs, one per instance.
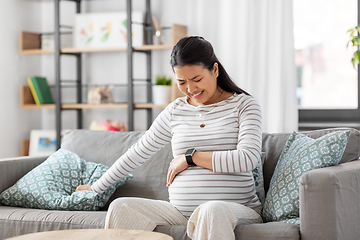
{"points": [[197, 185]]}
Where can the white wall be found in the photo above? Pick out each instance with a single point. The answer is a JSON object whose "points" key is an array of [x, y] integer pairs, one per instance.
{"points": [[16, 123]]}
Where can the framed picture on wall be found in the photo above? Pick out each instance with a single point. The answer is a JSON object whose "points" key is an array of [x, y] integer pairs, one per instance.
{"points": [[42, 142], [107, 30]]}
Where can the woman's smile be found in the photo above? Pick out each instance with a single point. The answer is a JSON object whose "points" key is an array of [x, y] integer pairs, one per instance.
{"points": [[197, 95]]}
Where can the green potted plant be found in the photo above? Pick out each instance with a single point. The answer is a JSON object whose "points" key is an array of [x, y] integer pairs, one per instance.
{"points": [[354, 40], [163, 80], [162, 90]]}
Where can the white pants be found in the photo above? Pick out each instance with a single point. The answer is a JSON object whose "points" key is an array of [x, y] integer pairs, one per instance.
{"points": [[212, 220]]}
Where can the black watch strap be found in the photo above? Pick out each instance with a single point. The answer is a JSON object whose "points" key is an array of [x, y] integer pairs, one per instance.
{"points": [[188, 155]]}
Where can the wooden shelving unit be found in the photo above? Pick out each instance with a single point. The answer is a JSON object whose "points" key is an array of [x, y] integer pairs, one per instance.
{"points": [[27, 102], [148, 105], [30, 43], [94, 50]]}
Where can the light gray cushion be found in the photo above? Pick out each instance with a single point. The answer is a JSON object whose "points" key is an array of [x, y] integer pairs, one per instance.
{"points": [[51, 185], [149, 179], [16, 221], [300, 155], [268, 231], [263, 231], [103, 147]]}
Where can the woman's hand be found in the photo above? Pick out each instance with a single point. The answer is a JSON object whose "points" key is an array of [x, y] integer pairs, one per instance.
{"points": [[83, 188], [177, 165]]}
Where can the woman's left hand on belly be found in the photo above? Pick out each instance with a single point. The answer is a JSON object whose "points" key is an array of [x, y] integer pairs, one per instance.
{"points": [[177, 165]]}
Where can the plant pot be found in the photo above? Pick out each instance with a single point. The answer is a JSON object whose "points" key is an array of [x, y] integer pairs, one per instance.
{"points": [[161, 94]]}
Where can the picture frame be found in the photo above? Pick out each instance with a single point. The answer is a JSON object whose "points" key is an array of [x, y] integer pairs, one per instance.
{"points": [[42, 142], [106, 30]]}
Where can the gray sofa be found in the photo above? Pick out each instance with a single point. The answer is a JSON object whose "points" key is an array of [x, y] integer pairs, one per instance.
{"points": [[329, 197]]}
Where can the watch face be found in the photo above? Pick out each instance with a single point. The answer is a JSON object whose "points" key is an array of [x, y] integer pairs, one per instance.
{"points": [[190, 152]]}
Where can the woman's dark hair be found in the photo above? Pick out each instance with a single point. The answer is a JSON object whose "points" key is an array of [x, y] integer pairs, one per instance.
{"points": [[196, 50]]}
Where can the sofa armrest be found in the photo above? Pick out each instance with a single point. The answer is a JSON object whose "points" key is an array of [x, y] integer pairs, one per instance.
{"points": [[12, 169], [330, 203]]}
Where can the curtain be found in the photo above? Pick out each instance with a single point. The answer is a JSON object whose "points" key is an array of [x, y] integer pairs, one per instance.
{"points": [[254, 41]]}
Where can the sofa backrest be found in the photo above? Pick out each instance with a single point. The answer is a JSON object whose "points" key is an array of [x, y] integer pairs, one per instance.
{"points": [[273, 144], [106, 147]]}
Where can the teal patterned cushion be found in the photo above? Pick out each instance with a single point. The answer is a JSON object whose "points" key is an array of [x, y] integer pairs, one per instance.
{"points": [[259, 179], [292, 220], [51, 185], [300, 154]]}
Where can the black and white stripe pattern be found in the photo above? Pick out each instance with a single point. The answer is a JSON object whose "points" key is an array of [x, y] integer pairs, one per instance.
{"points": [[232, 132]]}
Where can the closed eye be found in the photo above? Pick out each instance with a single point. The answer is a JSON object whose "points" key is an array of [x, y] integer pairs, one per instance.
{"points": [[181, 82]]}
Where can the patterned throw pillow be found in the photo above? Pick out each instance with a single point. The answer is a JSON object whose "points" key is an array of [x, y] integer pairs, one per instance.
{"points": [[300, 154], [292, 221], [259, 179], [51, 185]]}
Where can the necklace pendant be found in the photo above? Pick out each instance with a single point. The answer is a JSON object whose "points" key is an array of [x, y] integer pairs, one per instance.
{"points": [[202, 125], [200, 115]]}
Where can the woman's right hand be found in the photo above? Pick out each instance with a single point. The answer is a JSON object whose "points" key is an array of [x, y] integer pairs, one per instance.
{"points": [[177, 165], [83, 188]]}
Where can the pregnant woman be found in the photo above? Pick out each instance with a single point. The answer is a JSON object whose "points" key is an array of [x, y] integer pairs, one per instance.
{"points": [[215, 131]]}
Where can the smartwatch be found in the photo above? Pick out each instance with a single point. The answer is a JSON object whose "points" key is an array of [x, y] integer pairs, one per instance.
{"points": [[188, 155]]}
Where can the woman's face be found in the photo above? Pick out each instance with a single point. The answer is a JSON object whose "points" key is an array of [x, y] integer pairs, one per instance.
{"points": [[198, 83]]}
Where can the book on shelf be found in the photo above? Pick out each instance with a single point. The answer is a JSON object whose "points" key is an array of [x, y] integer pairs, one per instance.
{"points": [[40, 90]]}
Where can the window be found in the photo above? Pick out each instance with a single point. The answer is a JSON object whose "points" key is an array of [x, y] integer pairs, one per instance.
{"points": [[328, 89]]}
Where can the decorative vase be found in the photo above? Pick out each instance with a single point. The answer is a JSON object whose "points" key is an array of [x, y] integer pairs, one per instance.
{"points": [[161, 94]]}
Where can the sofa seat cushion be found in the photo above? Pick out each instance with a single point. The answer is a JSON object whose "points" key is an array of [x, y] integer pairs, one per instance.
{"points": [[262, 231], [17, 221], [51, 185], [268, 231]]}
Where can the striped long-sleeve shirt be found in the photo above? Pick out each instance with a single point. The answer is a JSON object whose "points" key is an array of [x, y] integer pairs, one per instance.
{"points": [[232, 132]]}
